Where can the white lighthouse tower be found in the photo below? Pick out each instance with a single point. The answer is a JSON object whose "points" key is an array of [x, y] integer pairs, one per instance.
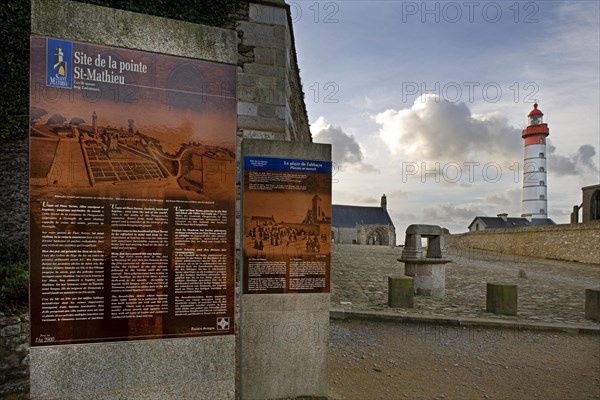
{"points": [[535, 182]]}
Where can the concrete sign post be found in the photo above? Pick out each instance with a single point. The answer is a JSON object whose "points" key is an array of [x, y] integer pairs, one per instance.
{"points": [[286, 239]]}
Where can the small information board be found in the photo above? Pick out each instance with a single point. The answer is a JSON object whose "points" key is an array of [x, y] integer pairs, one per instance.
{"points": [[286, 225]]}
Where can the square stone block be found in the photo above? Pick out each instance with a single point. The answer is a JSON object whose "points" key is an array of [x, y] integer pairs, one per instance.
{"points": [[592, 304], [401, 292], [501, 299]]}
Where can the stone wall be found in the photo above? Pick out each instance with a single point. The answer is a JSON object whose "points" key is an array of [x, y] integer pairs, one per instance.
{"points": [[360, 234], [568, 242], [270, 97], [270, 105], [14, 226], [14, 353], [344, 235]]}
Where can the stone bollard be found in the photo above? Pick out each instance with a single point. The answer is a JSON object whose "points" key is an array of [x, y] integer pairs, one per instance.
{"points": [[401, 292], [501, 299], [592, 304]]}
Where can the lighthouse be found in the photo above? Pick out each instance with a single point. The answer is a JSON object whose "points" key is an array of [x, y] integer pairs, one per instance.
{"points": [[535, 182]]}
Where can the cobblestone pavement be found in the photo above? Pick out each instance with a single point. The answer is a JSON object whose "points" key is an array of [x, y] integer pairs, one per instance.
{"points": [[548, 290]]}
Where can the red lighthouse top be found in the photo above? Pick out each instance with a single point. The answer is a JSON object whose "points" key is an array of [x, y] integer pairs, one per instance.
{"points": [[535, 111], [536, 130]]}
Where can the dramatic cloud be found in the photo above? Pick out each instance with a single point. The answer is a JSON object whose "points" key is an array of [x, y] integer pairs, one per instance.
{"points": [[508, 201], [344, 148], [435, 129], [450, 212], [578, 163]]}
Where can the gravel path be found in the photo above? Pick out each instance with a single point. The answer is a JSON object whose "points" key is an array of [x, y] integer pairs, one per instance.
{"points": [[549, 291], [410, 361]]}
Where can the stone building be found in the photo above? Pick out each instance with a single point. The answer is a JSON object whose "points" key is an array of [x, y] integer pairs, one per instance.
{"points": [[362, 225], [503, 221], [590, 206]]}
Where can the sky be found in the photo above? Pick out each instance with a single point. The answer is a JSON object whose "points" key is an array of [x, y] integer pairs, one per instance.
{"points": [[425, 102]]}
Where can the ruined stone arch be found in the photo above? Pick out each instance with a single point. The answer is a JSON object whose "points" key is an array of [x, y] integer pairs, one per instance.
{"points": [[378, 236], [595, 206]]}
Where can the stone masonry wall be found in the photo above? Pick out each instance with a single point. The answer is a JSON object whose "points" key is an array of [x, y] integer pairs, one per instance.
{"points": [[14, 186], [270, 106], [568, 242], [344, 235], [270, 98], [14, 352]]}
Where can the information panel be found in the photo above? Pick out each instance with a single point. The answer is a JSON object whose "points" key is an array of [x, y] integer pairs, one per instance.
{"points": [[132, 189], [287, 225]]}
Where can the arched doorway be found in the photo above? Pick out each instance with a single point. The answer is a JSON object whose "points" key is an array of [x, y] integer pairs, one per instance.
{"points": [[595, 206], [378, 237]]}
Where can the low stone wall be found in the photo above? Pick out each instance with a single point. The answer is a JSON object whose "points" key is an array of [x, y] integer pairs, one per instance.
{"points": [[568, 242], [14, 351]]}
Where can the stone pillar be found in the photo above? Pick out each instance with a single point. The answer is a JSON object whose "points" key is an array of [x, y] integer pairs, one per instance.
{"points": [[429, 272], [592, 304], [400, 292], [412, 246], [429, 278], [434, 249], [284, 333], [501, 299]]}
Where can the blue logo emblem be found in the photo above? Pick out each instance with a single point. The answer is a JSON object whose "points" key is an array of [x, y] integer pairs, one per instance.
{"points": [[59, 61]]}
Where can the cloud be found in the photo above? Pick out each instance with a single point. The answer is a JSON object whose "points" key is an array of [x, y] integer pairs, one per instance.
{"points": [[577, 163], [508, 201], [397, 193], [436, 129], [560, 212], [359, 199], [344, 148], [450, 212]]}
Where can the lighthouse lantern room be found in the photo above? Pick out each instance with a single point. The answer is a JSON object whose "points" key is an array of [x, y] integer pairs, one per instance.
{"points": [[535, 182]]}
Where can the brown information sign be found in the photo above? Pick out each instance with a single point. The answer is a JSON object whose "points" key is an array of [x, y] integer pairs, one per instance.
{"points": [[287, 225], [132, 183]]}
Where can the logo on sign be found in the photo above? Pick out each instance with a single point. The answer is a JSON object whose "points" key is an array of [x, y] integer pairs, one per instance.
{"points": [[223, 323], [59, 59]]}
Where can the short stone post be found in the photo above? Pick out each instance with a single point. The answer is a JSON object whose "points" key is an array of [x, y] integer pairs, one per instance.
{"points": [[501, 299], [401, 292], [592, 304]]}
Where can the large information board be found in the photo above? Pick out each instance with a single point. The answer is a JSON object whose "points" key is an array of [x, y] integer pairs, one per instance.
{"points": [[286, 226], [132, 189]]}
